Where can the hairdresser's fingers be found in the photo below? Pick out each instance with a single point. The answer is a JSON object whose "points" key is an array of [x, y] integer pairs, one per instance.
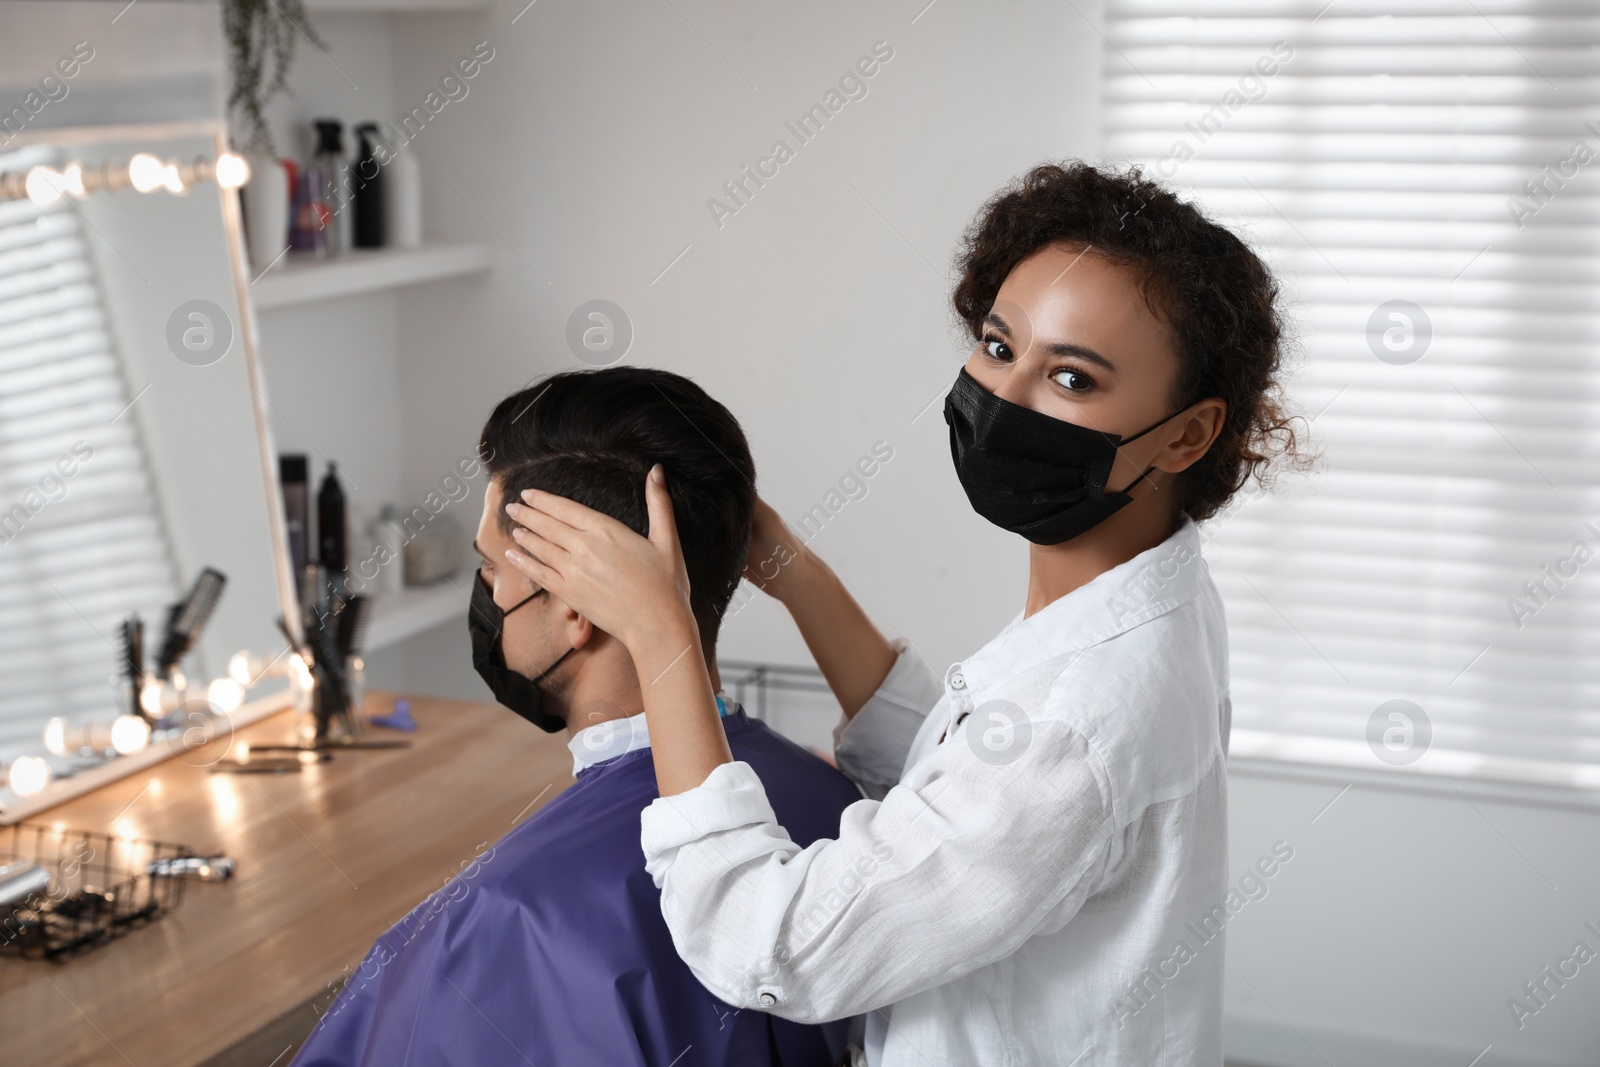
{"points": [[568, 511], [658, 502], [549, 553], [547, 526], [540, 573]]}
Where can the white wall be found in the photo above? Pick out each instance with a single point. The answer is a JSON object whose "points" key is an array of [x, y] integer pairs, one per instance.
{"points": [[585, 153]]}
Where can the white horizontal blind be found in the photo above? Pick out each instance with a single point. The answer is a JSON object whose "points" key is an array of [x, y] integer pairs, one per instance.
{"points": [[79, 551], [1386, 157]]}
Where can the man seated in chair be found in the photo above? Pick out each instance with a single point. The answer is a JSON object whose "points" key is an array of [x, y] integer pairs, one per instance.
{"points": [[551, 949]]}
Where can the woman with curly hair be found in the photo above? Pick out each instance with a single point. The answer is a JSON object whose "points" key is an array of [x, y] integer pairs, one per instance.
{"points": [[1039, 872]]}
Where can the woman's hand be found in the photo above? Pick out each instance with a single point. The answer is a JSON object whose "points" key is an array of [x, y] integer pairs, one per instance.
{"points": [[636, 589], [600, 567]]}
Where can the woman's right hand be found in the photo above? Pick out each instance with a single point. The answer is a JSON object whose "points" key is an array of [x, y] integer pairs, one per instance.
{"points": [[774, 550]]}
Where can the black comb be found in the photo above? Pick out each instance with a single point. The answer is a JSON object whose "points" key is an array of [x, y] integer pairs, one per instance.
{"points": [[188, 617], [353, 621]]}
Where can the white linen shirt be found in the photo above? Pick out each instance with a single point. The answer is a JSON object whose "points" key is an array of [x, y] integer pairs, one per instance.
{"points": [[1037, 882]]}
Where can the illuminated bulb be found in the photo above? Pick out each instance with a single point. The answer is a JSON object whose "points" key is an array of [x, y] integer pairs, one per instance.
{"points": [[241, 751], [150, 698], [129, 733], [29, 775], [44, 185], [308, 757], [146, 172], [239, 668], [172, 179], [302, 672], [225, 694], [72, 180], [232, 170], [55, 737]]}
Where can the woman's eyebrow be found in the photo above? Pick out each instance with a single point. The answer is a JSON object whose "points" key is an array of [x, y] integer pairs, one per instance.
{"points": [[1088, 355], [1059, 348]]}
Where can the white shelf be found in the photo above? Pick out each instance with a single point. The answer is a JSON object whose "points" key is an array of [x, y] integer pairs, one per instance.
{"points": [[293, 281], [396, 6], [397, 616]]}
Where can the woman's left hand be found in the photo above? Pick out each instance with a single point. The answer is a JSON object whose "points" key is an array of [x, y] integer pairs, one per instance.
{"points": [[627, 585]]}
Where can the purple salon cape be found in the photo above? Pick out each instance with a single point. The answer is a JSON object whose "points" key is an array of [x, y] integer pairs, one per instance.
{"points": [[549, 949]]}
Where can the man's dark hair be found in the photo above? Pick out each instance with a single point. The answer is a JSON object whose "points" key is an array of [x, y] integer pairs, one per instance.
{"points": [[593, 436], [1216, 296]]}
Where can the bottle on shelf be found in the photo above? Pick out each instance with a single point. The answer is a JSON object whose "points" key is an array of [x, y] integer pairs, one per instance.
{"points": [[403, 199], [370, 185], [307, 232], [334, 205]]}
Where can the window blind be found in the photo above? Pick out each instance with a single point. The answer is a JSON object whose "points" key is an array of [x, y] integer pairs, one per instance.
{"points": [[81, 541], [1421, 175]]}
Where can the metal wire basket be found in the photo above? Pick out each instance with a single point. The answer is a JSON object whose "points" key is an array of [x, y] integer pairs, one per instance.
{"points": [[99, 887]]}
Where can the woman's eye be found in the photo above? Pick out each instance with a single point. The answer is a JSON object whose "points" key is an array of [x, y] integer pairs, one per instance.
{"points": [[997, 349], [1072, 381]]}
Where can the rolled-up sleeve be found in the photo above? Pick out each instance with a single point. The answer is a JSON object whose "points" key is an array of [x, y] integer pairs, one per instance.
{"points": [[871, 746], [954, 868]]}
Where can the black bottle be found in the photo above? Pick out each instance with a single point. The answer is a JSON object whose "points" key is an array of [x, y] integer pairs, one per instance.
{"points": [[369, 183], [331, 523]]}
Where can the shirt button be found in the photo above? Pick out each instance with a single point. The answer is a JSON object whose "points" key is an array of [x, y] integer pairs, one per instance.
{"points": [[957, 682], [768, 1000]]}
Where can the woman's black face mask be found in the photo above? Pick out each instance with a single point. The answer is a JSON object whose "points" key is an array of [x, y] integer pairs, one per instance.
{"points": [[1030, 473], [486, 623]]}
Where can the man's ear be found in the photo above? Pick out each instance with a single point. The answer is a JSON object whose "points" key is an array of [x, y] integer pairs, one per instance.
{"points": [[575, 627]]}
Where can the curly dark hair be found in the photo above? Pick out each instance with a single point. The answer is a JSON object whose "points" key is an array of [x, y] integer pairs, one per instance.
{"points": [[1216, 296]]}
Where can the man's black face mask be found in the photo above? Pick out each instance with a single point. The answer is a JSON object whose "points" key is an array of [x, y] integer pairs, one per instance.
{"points": [[486, 623]]}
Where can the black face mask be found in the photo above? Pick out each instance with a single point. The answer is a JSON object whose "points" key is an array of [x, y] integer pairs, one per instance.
{"points": [[486, 623], [1030, 473]]}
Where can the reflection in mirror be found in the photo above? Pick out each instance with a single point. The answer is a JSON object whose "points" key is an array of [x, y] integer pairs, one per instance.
{"points": [[133, 514]]}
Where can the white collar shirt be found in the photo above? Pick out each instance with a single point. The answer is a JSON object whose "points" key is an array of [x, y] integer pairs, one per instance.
{"points": [[1038, 873], [606, 740]]}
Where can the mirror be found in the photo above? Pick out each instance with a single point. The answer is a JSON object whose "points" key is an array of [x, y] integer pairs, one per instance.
{"points": [[132, 445]]}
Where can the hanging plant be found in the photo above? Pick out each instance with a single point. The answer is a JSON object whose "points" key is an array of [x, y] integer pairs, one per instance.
{"points": [[261, 39]]}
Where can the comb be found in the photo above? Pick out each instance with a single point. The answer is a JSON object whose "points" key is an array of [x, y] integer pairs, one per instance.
{"points": [[133, 658], [353, 625], [188, 617]]}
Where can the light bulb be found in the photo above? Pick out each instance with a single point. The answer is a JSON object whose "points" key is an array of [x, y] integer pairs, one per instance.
{"points": [[44, 185], [172, 179], [225, 694], [129, 733], [146, 172], [55, 736], [150, 698], [232, 170], [302, 672], [29, 775], [72, 180], [239, 668]]}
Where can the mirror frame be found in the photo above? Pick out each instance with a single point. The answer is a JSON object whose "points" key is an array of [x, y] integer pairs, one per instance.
{"points": [[64, 789]]}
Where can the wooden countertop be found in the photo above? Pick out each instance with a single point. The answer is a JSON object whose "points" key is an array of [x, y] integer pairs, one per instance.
{"points": [[327, 860]]}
